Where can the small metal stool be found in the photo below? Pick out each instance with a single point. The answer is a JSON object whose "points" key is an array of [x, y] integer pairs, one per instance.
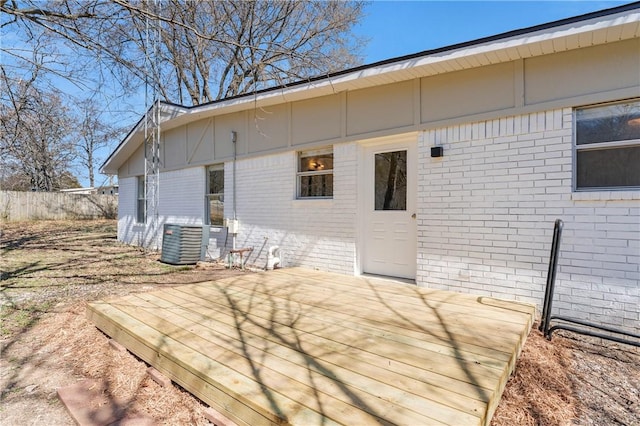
{"points": [[241, 252]]}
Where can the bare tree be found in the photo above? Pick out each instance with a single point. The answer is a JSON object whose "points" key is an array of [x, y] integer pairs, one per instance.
{"points": [[243, 46], [35, 123], [205, 50], [92, 133], [35, 143]]}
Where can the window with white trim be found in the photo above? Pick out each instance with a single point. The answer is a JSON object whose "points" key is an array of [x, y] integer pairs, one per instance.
{"points": [[214, 199], [141, 200], [315, 174], [607, 146]]}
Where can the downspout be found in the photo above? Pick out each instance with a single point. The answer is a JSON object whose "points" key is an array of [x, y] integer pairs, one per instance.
{"points": [[234, 139]]}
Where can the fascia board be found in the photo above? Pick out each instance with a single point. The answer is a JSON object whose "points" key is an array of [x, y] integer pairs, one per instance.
{"points": [[135, 137]]}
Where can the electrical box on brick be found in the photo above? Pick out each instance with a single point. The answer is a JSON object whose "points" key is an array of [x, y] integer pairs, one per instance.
{"points": [[232, 225]]}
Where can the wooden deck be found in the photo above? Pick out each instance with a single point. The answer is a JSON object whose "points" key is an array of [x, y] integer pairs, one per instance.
{"points": [[301, 347]]}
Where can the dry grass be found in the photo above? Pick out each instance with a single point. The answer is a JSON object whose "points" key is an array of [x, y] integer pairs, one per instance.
{"points": [[127, 381], [540, 392]]}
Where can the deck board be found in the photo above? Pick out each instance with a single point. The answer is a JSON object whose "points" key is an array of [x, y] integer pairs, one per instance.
{"points": [[296, 346], [395, 322], [387, 341], [316, 346]]}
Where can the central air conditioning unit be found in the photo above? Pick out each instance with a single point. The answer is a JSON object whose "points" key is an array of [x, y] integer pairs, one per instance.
{"points": [[184, 244]]}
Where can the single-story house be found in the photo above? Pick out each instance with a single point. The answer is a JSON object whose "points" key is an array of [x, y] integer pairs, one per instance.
{"points": [[447, 167]]}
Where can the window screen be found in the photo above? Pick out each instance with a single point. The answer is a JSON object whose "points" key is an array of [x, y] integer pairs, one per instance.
{"points": [[607, 146]]}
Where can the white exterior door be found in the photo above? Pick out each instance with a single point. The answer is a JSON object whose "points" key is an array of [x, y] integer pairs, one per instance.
{"points": [[390, 230]]}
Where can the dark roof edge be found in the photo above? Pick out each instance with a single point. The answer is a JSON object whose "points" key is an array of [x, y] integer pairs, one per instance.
{"points": [[508, 34]]}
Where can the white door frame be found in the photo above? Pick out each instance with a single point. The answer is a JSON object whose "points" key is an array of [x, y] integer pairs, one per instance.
{"points": [[407, 141]]}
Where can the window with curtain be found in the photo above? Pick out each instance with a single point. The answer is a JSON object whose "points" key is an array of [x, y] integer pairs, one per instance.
{"points": [[315, 173]]}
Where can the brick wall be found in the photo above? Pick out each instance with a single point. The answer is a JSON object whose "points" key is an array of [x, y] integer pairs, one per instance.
{"points": [[486, 212], [181, 200], [317, 234], [182, 195], [127, 232], [312, 233]]}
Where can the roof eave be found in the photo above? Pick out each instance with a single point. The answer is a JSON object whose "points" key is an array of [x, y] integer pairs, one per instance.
{"points": [[135, 137]]}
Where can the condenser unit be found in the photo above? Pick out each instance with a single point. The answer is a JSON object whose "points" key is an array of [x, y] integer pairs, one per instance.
{"points": [[184, 244]]}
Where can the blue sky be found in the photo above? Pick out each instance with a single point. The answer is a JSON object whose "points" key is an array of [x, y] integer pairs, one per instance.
{"points": [[397, 28]]}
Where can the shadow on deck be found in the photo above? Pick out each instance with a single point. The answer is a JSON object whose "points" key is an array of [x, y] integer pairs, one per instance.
{"points": [[302, 347]]}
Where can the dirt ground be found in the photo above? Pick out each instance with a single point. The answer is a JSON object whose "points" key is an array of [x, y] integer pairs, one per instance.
{"points": [[51, 269]]}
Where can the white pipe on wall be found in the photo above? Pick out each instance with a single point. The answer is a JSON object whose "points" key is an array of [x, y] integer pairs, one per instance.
{"points": [[234, 139]]}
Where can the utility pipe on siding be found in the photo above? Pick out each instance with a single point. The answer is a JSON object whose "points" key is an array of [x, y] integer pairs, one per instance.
{"points": [[234, 139]]}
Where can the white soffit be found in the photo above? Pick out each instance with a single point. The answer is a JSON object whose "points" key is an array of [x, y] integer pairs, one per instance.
{"points": [[544, 42]]}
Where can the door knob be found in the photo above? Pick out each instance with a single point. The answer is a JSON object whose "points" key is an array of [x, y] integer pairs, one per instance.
{"points": [[413, 216]]}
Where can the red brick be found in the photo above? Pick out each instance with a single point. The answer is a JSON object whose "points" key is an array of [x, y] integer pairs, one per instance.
{"points": [[117, 346], [217, 418], [158, 377], [88, 404]]}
